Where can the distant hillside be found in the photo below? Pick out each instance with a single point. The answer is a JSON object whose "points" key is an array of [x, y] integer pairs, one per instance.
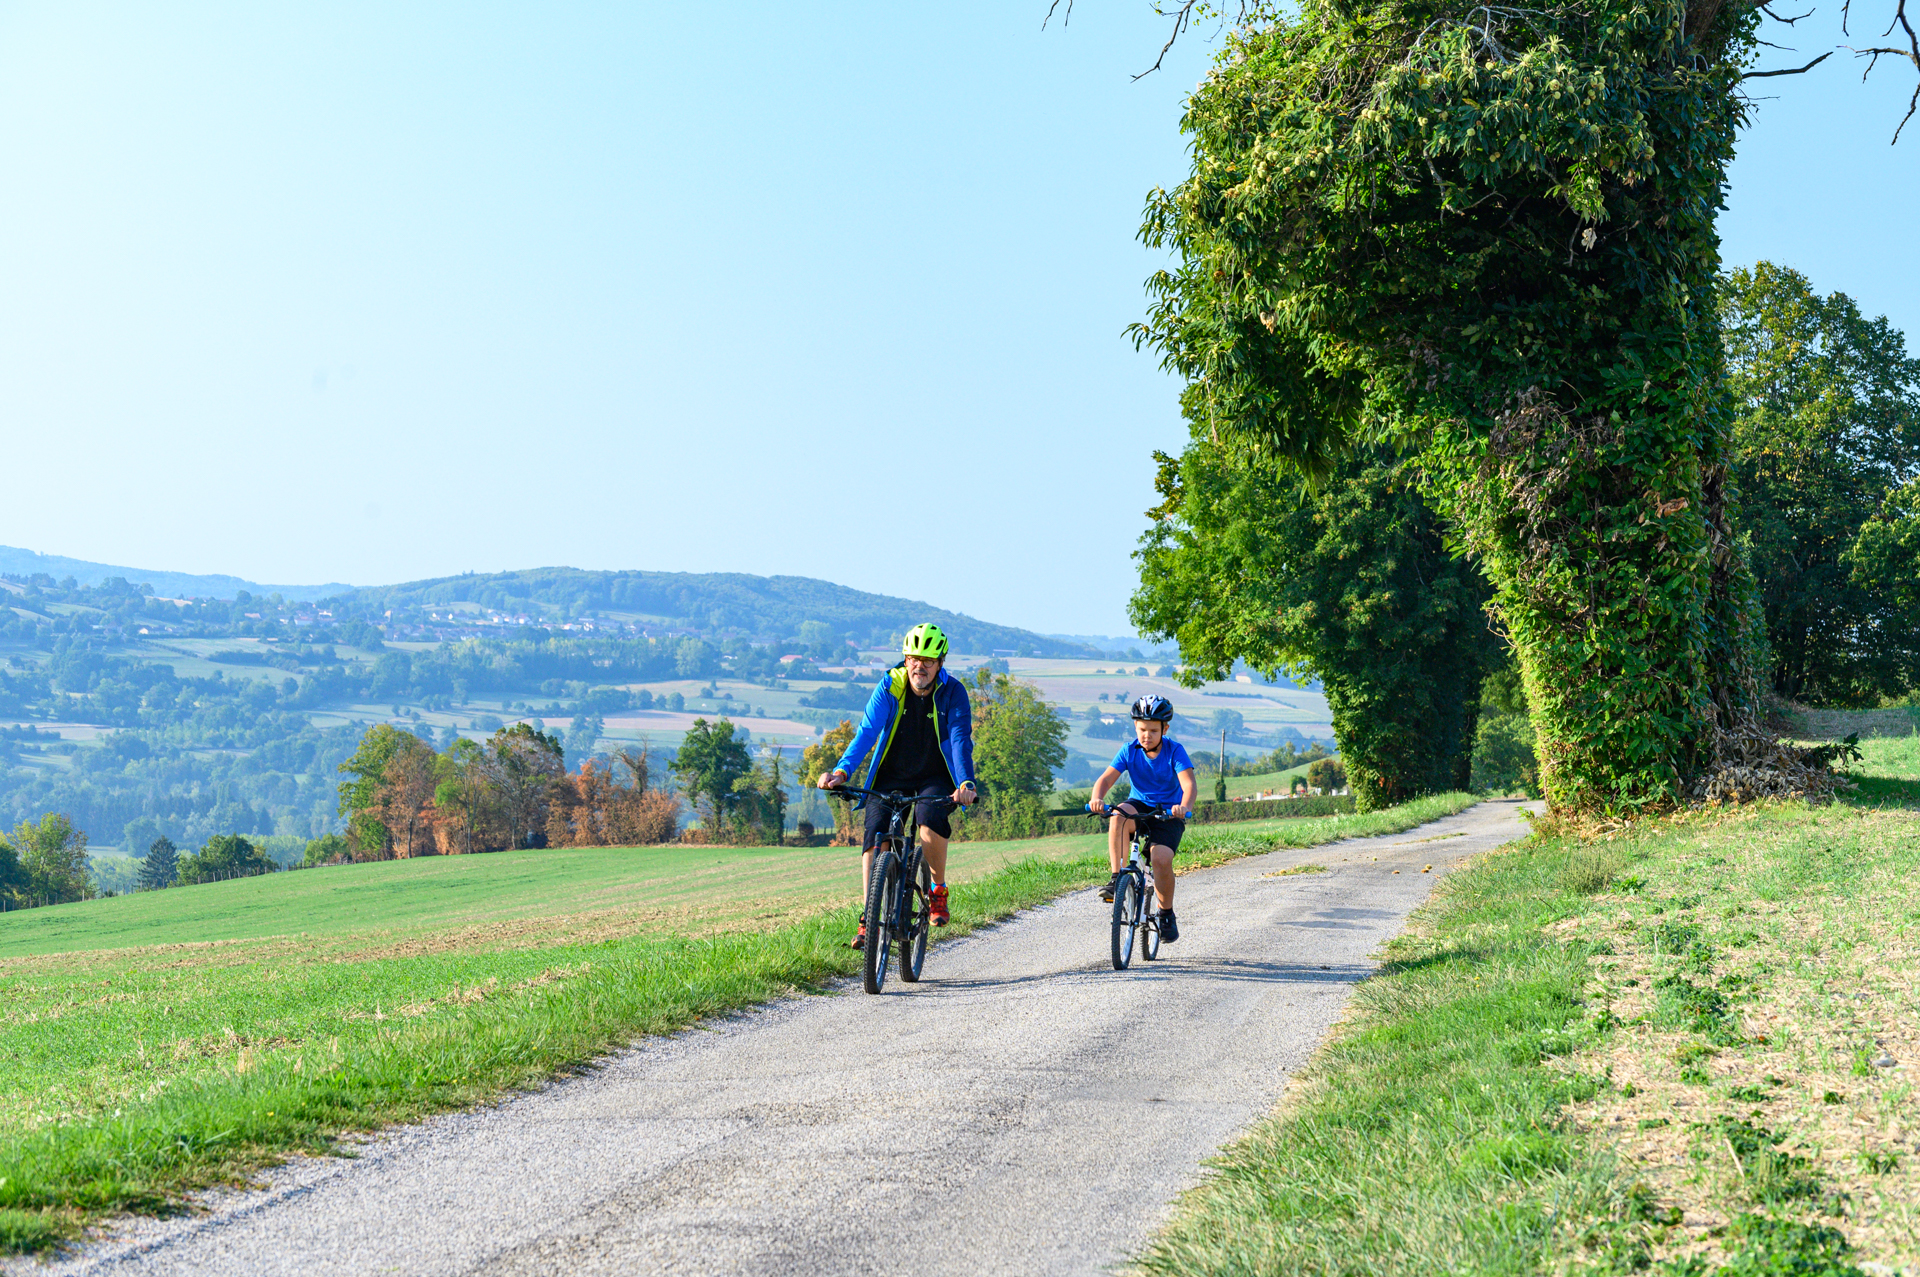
{"points": [[766, 606], [178, 585]]}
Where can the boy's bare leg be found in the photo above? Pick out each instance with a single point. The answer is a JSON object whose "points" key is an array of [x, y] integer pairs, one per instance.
{"points": [[1163, 876], [1119, 834]]}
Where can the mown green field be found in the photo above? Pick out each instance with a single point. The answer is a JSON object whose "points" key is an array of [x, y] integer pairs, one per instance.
{"points": [[167, 1040]]}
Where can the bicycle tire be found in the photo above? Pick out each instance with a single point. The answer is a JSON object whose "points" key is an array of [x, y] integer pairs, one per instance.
{"points": [[1126, 914], [882, 897], [913, 944]]}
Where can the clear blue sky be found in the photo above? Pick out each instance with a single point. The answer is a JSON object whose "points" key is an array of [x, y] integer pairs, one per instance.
{"points": [[374, 292]]}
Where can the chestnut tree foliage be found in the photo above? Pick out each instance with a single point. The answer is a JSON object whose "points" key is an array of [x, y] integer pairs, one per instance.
{"points": [[1826, 430], [1484, 236]]}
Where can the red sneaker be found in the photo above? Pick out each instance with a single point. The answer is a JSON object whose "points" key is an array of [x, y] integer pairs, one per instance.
{"points": [[940, 905], [859, 940]]}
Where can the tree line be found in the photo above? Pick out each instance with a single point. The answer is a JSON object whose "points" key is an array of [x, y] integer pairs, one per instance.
{"points": [[403, 798], [1354, 574]]}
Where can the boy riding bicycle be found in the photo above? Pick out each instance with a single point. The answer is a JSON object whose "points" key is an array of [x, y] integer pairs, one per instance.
{"points": [[1161, 774], [919, 725]]}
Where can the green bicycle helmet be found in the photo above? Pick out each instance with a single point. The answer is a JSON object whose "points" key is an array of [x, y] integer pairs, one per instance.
{"points": [[925, 640]]}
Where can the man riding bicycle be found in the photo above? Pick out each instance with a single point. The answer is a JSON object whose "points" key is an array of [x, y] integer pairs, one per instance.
{"points": [[919, 725], [1161, 775]]}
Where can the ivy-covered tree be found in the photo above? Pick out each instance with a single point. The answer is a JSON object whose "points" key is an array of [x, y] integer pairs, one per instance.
{"points": [[1826, 427], [1349, 582], [1485, 235]]}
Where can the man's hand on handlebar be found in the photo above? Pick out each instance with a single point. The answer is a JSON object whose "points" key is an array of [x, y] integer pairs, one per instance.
{"points": [[966, 794], [833, 779]]}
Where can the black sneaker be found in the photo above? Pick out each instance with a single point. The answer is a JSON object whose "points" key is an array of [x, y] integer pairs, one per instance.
{"points": [[1113, 885], [1169, 929]]}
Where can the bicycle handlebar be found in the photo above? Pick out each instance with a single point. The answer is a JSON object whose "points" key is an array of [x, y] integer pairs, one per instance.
{"points": [[1113, 809], [892, 798]]}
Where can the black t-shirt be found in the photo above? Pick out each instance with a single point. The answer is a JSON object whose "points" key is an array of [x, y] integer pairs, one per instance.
{"points": [[913, 758]]}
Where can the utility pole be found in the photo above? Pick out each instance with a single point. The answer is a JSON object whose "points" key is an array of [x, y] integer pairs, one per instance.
{"points": [[1220, 785]]}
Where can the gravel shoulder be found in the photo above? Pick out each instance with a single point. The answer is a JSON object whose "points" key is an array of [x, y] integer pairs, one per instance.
{"points": [[1024, 1109]]}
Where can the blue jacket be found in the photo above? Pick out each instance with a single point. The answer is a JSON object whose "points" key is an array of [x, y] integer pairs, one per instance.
{"points": [[952, 726]]}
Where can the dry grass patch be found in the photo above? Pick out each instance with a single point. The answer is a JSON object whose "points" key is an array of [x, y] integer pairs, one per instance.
{"points": [[1765, 1026]]}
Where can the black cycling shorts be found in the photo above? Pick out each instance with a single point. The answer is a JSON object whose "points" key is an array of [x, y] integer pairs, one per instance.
{"points": [[926, 813], [1167, 831]]}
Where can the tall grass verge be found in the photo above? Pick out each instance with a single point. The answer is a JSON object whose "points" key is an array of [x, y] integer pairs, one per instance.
{"points": [[147, 1155], [1426, 1139], [1672, 1048]]}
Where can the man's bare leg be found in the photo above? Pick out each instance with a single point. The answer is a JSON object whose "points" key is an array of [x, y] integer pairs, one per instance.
{"points": [[934, 848]]}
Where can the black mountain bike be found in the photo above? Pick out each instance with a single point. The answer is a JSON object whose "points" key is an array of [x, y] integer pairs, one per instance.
{"points": [[1131, 916], [899, 890]]}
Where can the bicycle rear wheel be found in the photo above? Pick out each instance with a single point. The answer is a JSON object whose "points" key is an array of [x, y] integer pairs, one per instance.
{"points": [[1149, 934], [913, 941], [883, 896], [1126, 915]]}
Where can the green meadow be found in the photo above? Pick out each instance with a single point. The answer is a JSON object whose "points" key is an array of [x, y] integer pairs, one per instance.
{"points": [[164, 1041]]}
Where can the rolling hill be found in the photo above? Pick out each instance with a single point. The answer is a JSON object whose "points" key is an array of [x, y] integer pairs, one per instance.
{"points": [[774, 606]]}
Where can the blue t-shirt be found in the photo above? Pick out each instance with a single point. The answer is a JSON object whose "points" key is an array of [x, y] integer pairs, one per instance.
{"points": [[1154, 780]]}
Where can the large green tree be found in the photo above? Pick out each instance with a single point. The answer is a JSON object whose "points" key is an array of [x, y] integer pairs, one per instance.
{"points": [[1887, 553], [52, 861], [1348, 581], [1486, 236], [1018, 740], [521, 766], [361, 794], [1826, 428], [710, 760]]}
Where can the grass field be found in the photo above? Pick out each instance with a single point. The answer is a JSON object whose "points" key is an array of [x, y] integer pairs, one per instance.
{"points": [[1685, 1046], [168, 1040]]}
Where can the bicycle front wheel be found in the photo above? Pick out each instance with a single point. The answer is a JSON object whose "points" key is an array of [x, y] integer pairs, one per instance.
{"points": [[913, 941], [883, 902], [1149, 934], [1126, 914]]}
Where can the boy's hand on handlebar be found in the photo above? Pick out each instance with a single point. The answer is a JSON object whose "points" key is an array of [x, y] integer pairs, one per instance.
{"points": [[1097, 807], [833, 779], [1180, 813]]}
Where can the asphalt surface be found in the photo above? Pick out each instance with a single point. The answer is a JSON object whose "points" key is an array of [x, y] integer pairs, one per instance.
{"points": [[1024, 1109]]}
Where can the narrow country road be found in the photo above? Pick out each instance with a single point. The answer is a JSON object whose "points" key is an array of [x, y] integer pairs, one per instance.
{"points": [[1024, 1110]]}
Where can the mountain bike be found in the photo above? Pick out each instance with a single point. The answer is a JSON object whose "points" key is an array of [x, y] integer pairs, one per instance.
{"points": [[1131, 916], [899, 890]]}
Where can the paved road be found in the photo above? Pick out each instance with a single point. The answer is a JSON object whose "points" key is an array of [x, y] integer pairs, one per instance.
{"points": [[1026, 1109]]}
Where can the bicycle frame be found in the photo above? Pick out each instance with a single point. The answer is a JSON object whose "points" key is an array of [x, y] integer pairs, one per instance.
{"points": [[898, 891], [1132, 919]]}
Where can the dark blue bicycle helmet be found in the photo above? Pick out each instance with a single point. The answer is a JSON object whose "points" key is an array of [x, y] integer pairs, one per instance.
{"points": [[1156, 709]]}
